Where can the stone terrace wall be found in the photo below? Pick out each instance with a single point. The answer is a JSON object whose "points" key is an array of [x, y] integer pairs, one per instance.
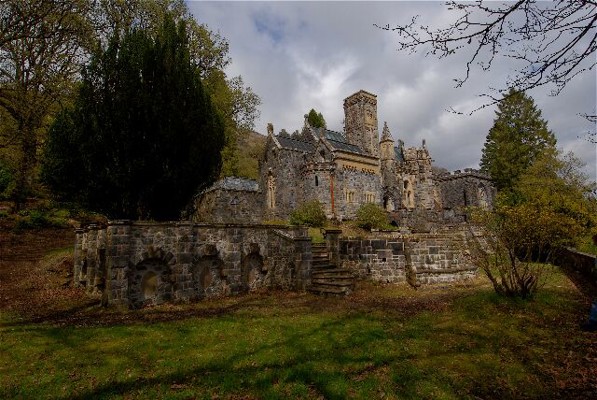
{"points": [[424, 258], [137, 264], [583, 262]]}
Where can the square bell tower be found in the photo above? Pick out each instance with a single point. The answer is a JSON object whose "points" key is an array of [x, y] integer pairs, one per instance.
{"points": [[360, 118]]}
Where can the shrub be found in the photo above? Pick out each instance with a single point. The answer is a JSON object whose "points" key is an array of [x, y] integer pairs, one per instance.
{"points": [[310, 214], [372, 216]]}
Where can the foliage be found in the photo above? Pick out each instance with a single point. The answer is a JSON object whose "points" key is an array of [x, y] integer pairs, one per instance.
{"points": [[372, 216], [316, 119], [550, 207], [517, 138], [6, 180], [41, 44], [143, 134], [552, 42], [310, 214]]}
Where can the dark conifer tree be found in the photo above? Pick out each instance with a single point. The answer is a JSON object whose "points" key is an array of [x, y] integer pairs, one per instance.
{"points": [[517, 138], [143, 135]]}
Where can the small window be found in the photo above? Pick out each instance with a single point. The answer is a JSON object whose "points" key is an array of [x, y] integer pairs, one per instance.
{"points": [[316, 181]]}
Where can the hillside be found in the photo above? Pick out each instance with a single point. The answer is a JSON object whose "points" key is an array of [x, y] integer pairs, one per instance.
{"points": [[250, 147]]}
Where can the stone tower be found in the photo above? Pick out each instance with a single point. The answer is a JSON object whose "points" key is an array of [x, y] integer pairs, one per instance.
{"points": [[360, 115]]}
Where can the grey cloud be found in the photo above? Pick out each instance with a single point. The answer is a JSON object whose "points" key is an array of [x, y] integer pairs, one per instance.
{"points": [[299, 55]]}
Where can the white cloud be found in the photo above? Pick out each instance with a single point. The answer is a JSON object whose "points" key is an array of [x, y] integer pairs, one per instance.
{"points": [[303, 55]]}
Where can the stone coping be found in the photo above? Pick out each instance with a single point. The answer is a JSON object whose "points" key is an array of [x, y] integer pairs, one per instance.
{"points": [[186, 224]]}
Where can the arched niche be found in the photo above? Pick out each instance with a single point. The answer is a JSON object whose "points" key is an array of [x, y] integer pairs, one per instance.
{"points": [[208, 276], [252, 272], [149, 283]]}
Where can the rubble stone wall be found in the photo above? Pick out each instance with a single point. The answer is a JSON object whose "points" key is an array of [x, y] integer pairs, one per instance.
{"points": [[137, 264]]}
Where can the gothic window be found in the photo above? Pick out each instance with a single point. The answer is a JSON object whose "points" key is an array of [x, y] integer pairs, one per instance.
{"points": [[482, 197], [316, 181], [349, 196], [409, 196], [271, 191]]}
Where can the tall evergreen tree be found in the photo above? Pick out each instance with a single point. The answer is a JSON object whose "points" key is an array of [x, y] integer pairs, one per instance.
{"points": [[316, 119], [519, 136], [143, 134]]}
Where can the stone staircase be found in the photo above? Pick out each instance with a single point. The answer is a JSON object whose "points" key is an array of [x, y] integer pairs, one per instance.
{"points": [[326, 278]]}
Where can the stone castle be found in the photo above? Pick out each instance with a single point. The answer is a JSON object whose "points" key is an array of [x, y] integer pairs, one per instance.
{"points": [[344, 170], [226, 250]]}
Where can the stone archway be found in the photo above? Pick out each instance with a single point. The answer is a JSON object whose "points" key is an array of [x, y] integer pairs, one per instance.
{"points": [[252, 272], [149, 283]]}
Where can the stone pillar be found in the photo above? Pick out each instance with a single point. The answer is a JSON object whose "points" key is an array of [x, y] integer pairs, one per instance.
{"points": [[332, 239], [303, 261], [118, 237], [80, 255]]}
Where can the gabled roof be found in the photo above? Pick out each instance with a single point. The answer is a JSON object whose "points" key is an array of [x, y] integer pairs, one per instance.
{"points": [[339, 142], [294, 144], [332, 135], [398, 153], [235, 183], [351, 148]]}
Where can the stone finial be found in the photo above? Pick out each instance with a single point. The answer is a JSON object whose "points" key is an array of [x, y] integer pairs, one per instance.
{"points": [[307, 120], [386, 135], [424, 144], [270, 129]]}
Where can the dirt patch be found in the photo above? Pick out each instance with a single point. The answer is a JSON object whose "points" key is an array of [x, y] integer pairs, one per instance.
{"points": [[36, 272]]}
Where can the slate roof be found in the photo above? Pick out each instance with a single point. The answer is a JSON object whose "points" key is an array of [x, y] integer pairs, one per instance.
{"points": [[235, 183], [398, 153], [289, 143], [338, 141]]}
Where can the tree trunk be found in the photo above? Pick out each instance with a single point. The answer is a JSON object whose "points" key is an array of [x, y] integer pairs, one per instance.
{"points": [[25, 170]]}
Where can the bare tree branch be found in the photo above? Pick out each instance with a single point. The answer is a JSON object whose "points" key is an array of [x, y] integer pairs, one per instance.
{"points": [[554, 41]]}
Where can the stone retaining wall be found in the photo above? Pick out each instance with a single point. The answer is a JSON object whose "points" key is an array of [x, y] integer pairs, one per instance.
{"points": [[138, 263], [422, 258], [583, 262]]}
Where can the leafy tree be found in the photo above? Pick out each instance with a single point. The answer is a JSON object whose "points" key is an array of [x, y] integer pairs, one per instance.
{"points": [[553, 207], [310, 214], [316, 119], [517, 138], [41, 44], [372, 216], [142, 135], [553, 41]]}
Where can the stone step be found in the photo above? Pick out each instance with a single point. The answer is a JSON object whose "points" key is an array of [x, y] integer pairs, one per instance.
{"points": [[341, 282], [329, 290], [332, 273]]}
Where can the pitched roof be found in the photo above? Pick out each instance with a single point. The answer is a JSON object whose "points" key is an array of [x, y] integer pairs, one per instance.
{"points": [[235, 183], [398, 154], [294, 144], [339, 142]]}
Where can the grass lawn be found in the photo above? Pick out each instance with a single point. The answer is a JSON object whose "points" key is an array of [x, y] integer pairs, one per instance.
{"points": [[460, 342]]}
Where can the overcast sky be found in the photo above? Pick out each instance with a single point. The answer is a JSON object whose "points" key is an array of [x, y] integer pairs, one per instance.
{"points": [[302, 55]]}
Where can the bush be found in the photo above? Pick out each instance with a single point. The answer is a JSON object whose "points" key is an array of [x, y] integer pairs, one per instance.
{"points": [[372, 216], [310, 214]]}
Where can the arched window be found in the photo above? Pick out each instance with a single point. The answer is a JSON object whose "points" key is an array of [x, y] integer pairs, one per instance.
{"points": [[316, 181], [271, 191]]}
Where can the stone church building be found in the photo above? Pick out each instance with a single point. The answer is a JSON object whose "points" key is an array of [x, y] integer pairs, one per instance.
{"points": [[344, 170]]}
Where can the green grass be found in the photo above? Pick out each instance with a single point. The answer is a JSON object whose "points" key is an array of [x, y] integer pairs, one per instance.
{"points": [[384, 342]]}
